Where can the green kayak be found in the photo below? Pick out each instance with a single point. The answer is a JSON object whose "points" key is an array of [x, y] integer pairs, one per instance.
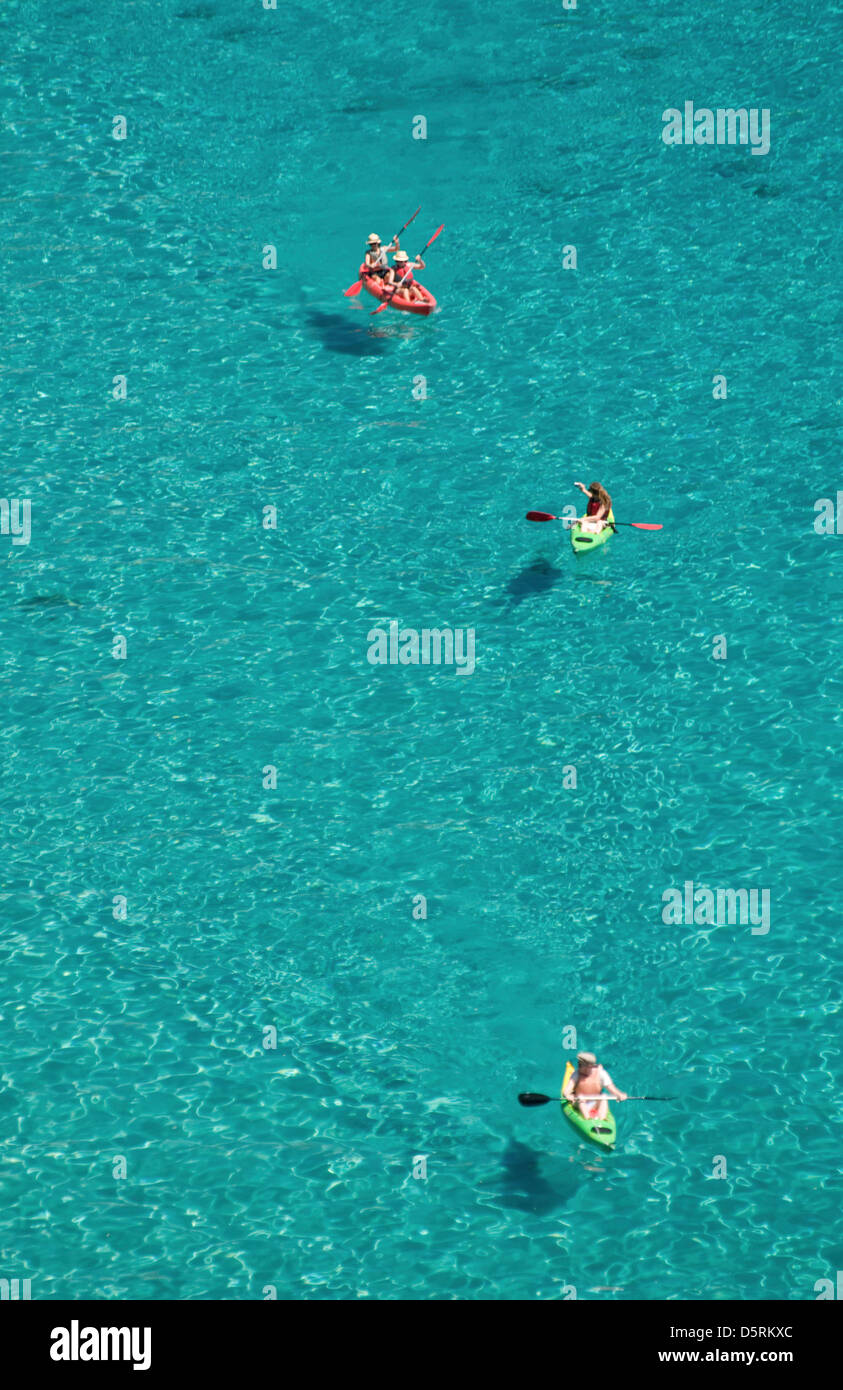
{"points": [[600, 1132], [590, 540]]}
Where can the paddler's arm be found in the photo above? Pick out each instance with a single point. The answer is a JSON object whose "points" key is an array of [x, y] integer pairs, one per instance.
{"points": [[611, 1087], [582, 487], [568, 1088]]}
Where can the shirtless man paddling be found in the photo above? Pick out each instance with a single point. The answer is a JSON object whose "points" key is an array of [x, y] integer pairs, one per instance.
{"points": [[590, 1079]]}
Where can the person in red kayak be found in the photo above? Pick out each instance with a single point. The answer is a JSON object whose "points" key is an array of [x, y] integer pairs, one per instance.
{"points": [[599, 507], [403, 267], [375, 259], [590, 1079]]}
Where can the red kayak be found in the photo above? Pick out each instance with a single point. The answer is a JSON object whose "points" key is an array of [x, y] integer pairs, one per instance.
{"points": [[375, 286]]}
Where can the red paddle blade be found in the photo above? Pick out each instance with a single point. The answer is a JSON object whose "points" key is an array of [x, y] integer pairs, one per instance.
{"points": [[433, 238], [540, 516], [646, 525], [353, 289]]}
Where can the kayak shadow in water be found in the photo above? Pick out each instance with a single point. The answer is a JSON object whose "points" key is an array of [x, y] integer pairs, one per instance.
{"points": [[523, 1185], [537, 578], [338, 335]]}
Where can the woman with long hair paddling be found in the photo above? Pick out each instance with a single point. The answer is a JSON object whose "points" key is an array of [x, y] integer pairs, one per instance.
{"points": [[598, 524], [598, 513]]}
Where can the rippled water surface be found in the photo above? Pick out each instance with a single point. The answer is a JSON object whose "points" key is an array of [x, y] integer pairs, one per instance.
{"points": [[140, 1038]]}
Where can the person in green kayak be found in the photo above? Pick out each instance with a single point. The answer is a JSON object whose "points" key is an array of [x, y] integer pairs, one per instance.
{"points": [[590, 1079], [400, 276], [599, 507], [375, 259]]}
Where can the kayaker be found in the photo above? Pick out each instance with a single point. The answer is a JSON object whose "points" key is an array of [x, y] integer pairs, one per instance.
{"points": [[401, 266], [375, 258], [590, 1079], [598, 509]]}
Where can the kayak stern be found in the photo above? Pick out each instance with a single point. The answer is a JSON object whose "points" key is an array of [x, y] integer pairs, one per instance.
{"points": [[583, 541]]}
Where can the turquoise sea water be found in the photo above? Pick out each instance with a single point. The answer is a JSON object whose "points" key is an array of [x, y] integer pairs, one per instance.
{"points": [[251, 907]]}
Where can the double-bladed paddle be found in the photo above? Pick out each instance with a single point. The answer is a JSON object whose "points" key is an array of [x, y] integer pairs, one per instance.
{"points": [[358, 284], [395, 288], [536, 1098], [639, 525]]}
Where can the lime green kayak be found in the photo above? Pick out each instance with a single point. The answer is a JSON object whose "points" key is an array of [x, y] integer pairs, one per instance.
{"points": [[601, 1132], [590, 540]]}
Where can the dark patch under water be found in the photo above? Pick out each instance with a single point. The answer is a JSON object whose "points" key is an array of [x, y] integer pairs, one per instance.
{"points": [[338, 335], [645, 53], [564, 82], [523, 1185], [199, 12], [535, 579], [48, 601], [740, 165]]}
